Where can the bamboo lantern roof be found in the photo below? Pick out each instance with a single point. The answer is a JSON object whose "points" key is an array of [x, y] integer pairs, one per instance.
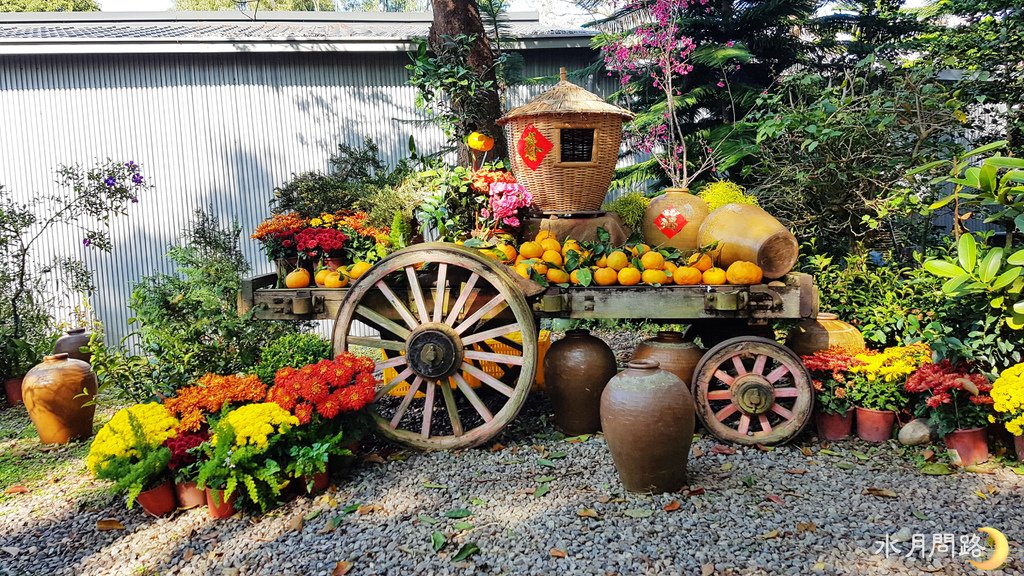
{"points": [[565, 98]]}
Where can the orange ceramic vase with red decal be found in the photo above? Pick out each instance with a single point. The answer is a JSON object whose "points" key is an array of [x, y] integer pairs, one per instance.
{"points": [[674, 219]]}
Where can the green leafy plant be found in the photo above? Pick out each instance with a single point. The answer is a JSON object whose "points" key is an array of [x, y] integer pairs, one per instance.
{"points": [[450, 207], [129, 450], [631, 208], [308, 454], [128, 375], [294, 350]]}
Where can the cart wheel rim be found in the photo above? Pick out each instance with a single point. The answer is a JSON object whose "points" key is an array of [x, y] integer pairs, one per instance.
{"points": [[751, 390], [441, 313]]}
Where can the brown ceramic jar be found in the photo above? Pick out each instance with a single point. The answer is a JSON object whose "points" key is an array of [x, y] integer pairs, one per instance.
{"points": [[672, 353], [56, 392], [674, 219], [648, 419], [576, 369], [71, 343], [822, 333]]}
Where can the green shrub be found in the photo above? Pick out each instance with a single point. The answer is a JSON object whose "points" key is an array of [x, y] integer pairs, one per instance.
{"points": [[630, 207], [294, 350]]}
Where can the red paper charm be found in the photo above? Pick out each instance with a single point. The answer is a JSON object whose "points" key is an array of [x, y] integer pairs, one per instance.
{"points": [[670, 222], [533, 146]]}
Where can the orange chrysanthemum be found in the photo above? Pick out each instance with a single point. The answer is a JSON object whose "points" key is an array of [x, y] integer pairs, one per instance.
{"points": [[210, 394]]}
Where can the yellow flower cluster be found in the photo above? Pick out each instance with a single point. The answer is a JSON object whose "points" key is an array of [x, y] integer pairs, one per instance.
{"points": [[254, 423], [722, 192], [326, 220], [116, 438], [1008, 398], [891, 364]]}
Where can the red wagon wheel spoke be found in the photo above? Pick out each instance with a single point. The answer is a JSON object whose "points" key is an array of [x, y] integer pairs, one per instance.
{"points": [[449, 402], [743, 405]]}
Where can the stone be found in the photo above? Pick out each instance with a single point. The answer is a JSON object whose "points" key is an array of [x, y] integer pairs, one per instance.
{"points": [[916, 432]]}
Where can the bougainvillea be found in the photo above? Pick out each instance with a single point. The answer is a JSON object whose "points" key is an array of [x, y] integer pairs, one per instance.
{"points": [[327, 388], [210, 394]]}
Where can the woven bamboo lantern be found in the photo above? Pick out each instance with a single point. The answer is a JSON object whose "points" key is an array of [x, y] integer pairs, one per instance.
{"points": [[566, 146]]}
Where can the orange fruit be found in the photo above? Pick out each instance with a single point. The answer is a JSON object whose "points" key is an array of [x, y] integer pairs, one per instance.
{"points": [[602, 262], [618, 260], [629, 276], [523, 270], [510, 252], [605, 277], [701, 261], [654, 277], [544, 235], [552, 257], [551, 244], [540, 268], [670, 268], [742, 272], [298, 278], [531, 250], [336, 280], [321, 274], [572, 277], [687, 276], [519, 259], [571, 245], [640, 249], [358, 269], [557, 276], [653, 261], [714, 276]]}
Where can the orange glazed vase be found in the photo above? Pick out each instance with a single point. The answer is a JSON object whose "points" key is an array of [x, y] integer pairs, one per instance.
{"points": [[822, 333], [58, 395]]}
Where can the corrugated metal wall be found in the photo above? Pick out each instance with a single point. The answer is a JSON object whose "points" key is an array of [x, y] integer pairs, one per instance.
{"points": [[220, 130]]}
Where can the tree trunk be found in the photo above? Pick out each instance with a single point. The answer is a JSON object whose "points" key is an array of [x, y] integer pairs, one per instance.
{"points": [[454, 17]]}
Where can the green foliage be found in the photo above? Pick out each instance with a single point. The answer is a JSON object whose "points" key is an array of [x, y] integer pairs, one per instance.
{"points": [[388, 202], [130, 376], [248, 469], [281, 5], [309, 453], [188, 322], [49, 6], [450, 206], [630, 207], [879, 394], [292, 350]]}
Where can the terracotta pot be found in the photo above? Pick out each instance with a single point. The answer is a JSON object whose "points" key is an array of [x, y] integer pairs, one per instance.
{"points": [[875, 425], [672, 353], [159, 500], [1018, 446], [971, 445], [822, 333], [189, 495], [12, 387], [663, 228], [648, 419], [576, 369], [71, 344], [321, 480], [834, 426], [219, 507], [56, 392], [748, 233], [333, 263]]}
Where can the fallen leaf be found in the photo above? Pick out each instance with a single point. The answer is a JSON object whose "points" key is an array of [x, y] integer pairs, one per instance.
{"points": [[541, 490], [798, 471], [107, 524], [764, 448], [373, 458], [749, 481], [557, 553], [986, 468], [427, 519], [467, 550], [723, 449], [819, 566], [341, 568], [477, 501], [920, 515], [398, 457], [727, 466], [806, 451], [827, 452], [770, 535], [991, 489], [545, 462], [587, 513], [672, 506], [936, 469], [861, 456], [845, 466], [332, 524], [11, 550], [188, 555], [802, 527], [458, 513], [312, 515], [696, 452], [462, 526], [437, 541], [604, 499], [295, 524], [369, 509], [556, 455], [545, 479], [639, 512], [578, 439], [775, 498], [981, 494], [497, 447], [928, 455], [695, 491], [16, 489], [707, 569], [880, 492], [433, 485]]}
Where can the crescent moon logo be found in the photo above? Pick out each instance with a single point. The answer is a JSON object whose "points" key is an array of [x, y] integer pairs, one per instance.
{"points": [[999, 555]]}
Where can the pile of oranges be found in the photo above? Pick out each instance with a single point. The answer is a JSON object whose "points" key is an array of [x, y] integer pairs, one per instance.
{"points": [[546, 258], [325, 277]]}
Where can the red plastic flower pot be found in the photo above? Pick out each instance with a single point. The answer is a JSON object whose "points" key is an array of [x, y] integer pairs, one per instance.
{"points": [[218, 506], [158, 501], [875, 425], [834, 426], [970, 444], [189, 495], [12, 387], [321, 480]]}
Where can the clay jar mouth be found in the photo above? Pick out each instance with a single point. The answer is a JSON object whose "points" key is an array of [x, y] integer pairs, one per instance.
{"points": [[645, 364], [577, 332], [669, 336], [56, 357], [827, 316], [76, 331]]}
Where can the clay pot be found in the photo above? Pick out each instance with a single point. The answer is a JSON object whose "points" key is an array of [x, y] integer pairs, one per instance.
{"points": [[748, 233], [971, 445], [56, 392], [217, 506], [72, 342], [648, 419], [834, 426], [663, 228], [12, 387], [333, 263], [576, 369], [822, 333], [159, 500], [1018, 446], [672, 353], [321, 480], [189, 495], [875, 425]]}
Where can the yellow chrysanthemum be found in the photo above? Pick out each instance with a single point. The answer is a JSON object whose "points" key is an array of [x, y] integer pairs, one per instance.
{"points": [[116, 438], [254, 423], [1008, 398]]}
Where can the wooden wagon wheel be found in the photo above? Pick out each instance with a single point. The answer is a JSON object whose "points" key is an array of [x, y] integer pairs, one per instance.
{"points": [[455, 329], [751, 390]]}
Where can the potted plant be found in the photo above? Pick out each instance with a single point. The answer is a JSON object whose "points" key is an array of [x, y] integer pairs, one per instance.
{"points": [[129, 450], [212, 392], [308, 458], [239, 458], [184, 465], [1008, 404], [877, 387], [834, 407], [957, 405]]}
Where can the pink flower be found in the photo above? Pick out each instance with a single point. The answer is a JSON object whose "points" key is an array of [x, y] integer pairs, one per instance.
{"points": [[721, 84], [730, 43]]}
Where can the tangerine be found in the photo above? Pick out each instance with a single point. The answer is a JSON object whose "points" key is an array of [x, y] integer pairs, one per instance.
{"points": [[552, 257], [602, 262], [701, 261], [557, 276], [358, 269], [540, 268], [321, 274], [544, 235], [523, 270], [531, 250], [298, 278], [654, 277], [629, 276], [714, 276], [605, 277], [653, 261], [336, 280], [551, 244], [742, 272], [687, 276], [510, 252], [618, 260], [670, 268]]}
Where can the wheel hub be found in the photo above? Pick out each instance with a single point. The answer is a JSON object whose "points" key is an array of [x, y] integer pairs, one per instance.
{"points": [[434, 351], [753, 394]]}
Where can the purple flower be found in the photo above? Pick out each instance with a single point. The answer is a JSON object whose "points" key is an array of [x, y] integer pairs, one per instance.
{"points": [[135, 199], [131, 165], [110, 181], [137, 178], [86, 242]]}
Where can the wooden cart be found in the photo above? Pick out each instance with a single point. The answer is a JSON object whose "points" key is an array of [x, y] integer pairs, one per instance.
{"points": [[456, 336]]}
